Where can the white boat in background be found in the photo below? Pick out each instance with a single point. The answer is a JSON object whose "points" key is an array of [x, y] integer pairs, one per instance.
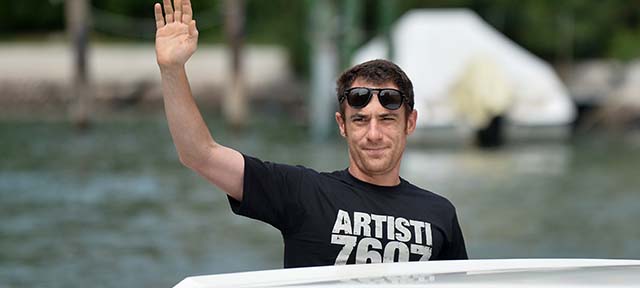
{"points": [[436, 48], [461, 273]]}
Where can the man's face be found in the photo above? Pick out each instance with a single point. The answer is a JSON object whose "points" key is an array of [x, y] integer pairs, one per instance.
{"points": [[375, 135]]}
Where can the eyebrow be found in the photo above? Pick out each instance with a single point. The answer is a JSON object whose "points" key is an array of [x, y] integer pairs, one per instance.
{"points": [[388, 114], [358, 115], [382, 115]]}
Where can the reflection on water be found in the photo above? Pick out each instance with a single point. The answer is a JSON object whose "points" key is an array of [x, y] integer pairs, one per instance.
{"points": [[543, 200], [114, 208]]}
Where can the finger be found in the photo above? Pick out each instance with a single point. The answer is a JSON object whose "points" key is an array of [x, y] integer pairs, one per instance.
{"points": [[187, 13], [193, 31], [158, 12], [168, 11], [177, 15]]}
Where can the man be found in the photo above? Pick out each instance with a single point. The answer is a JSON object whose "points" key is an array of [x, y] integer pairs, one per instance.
{"points": [[364, 214]]}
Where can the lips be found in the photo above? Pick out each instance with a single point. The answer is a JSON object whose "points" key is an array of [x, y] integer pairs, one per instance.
{"points": [[374, 148], [374, 151]]}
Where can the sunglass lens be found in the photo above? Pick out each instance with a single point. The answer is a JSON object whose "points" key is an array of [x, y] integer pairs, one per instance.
{"points": [[390, 99], [358, 97]]}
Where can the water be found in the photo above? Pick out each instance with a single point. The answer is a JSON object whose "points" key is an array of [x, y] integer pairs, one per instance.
{"points": [[114, 208]]}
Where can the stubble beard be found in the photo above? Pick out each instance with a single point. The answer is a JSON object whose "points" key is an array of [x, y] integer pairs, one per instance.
{"points": [[373, 166]]}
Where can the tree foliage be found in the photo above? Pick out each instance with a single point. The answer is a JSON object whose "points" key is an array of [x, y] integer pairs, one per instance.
{"points": [[554, 30]]}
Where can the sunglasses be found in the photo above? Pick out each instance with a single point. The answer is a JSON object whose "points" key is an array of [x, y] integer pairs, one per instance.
{"points": [[359, 97]]}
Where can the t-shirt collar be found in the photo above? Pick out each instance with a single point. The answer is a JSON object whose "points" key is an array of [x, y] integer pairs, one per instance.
{"points": [[357, 181]]}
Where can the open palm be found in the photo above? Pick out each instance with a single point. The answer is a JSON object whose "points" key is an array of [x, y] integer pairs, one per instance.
{"points": [[176, 33]]}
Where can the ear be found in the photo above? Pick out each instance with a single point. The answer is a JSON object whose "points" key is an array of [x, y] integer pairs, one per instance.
{"points": [[341, 124], [411, 121]]}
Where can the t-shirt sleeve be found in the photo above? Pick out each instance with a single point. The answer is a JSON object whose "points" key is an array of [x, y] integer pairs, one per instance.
{"points": [[270, 193], [455, 248]]}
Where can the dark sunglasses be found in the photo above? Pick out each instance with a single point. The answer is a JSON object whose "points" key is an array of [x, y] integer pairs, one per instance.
{"points": [[359, 97]]}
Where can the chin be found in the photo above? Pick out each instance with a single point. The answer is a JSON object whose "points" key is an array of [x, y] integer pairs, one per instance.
{"points": [[377, 168]]}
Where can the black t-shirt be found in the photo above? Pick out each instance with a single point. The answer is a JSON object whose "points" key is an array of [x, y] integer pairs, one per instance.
{"points": [[334, 218]]}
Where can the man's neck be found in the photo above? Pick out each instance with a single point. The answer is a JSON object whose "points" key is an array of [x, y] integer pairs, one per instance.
{"points": [[391, 178]]}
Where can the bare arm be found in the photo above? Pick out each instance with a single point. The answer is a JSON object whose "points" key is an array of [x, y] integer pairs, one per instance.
{"points": [[176, 41]]}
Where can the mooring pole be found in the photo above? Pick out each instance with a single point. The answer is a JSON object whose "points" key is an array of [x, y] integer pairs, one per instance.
{"points": [[77, 12], [323, 68], [386, 10], [351, 32], [235, 100]]}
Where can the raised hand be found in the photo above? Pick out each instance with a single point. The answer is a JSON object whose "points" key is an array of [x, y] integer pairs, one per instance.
{"points": [[176, 33]]}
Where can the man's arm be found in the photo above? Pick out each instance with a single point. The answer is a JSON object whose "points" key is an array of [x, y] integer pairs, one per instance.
{"points": [[176, 41]]}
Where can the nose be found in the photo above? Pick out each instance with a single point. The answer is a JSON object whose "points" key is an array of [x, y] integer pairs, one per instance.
{"points": [[374, 134], [373, 131]]}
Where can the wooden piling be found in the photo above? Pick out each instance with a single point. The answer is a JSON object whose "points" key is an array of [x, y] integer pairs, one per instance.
{"points": [[235, 100], [77, 20]]}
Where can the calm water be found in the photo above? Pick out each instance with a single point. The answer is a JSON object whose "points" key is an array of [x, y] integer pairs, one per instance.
{"points": [[114, 208]]}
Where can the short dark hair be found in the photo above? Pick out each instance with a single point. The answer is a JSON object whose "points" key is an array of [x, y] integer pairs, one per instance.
{"points": [[376, 72]]}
